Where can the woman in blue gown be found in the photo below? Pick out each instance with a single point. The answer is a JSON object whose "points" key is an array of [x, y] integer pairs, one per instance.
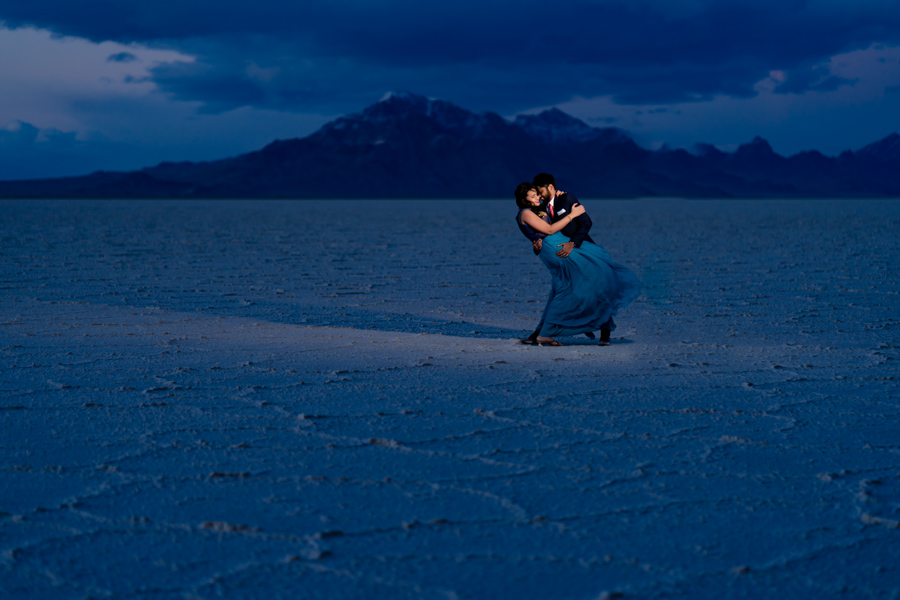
{"points": [[587, 287]]}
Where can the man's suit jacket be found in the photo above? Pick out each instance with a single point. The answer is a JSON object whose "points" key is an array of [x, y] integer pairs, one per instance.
{"points": [[578, 229]]}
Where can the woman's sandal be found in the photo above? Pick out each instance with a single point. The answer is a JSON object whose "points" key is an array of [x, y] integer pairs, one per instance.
{"points": [[547, 342]]}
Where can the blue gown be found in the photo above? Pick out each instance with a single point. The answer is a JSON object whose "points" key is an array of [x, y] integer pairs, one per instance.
{"points": [[587, 287]]}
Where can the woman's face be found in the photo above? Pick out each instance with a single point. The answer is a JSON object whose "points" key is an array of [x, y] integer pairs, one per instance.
{"points": [[532, 198]]}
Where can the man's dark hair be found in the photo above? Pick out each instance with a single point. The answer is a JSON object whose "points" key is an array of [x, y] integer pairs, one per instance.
{"points": [[543, 180]]}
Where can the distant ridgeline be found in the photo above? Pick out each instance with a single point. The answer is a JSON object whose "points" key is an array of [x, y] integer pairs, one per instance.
{"points": [[408, 146]]}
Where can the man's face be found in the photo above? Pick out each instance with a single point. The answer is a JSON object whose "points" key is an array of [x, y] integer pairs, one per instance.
{"points": [[547, 191]]}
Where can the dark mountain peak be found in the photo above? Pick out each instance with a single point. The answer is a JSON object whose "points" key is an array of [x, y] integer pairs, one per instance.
{"points": [[450, 115], [554, 126], [706, 151], [402, 104], [756, 155], [809, 153], [376, 123], [552, 117], [887, 149], [811, 163], [402, 96], [397, 103], [399, 112], [758, 147]]}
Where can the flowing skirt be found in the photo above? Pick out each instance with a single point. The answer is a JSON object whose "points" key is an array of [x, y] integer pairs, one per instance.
{"points": [[587, 289]]}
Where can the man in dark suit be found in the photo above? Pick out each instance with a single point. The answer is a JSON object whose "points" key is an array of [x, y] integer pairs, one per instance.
{"points": [[558, 205]]}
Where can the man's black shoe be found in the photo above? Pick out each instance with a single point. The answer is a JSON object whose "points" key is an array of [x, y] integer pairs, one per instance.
{"points": [[604, 337]]}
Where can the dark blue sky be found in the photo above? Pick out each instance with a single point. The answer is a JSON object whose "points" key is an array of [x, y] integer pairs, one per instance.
{"points": [[114, 84]]}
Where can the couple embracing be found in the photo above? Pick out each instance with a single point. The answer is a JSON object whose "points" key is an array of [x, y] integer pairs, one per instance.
{"points": [[587, 287]]}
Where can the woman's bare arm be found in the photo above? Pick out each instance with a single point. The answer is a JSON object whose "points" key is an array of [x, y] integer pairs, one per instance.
{"points": [[541, 226]]}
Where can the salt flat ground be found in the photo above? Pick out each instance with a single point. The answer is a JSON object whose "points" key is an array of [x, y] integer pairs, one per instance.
{"points": [[296, 399]]}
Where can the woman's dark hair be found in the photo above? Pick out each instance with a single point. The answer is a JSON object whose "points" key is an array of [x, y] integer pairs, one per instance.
{"points": [[522, 191]]}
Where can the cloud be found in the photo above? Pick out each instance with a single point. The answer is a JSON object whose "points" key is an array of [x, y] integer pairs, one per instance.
{"points": [[813, 79], [220, 89], [121, 57], [26, 150], [48, 73], [503, 55], [19, 133], [121, 133]]}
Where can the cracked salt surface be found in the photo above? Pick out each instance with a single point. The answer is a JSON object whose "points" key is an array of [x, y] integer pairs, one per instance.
{"points": [[327, 400]]}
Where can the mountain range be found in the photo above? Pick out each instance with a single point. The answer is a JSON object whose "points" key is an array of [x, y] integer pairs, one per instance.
{"points": [[409, 146]]}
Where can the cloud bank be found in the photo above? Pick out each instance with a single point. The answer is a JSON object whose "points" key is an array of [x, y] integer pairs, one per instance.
{"points": [[506, 56]]}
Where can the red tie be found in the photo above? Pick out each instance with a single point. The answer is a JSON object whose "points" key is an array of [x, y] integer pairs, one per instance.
{"points": [[552, 212]]}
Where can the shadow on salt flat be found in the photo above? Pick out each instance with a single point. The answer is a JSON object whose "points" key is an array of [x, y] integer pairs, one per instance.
{"points": [[367, 320], [371, 320]]}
